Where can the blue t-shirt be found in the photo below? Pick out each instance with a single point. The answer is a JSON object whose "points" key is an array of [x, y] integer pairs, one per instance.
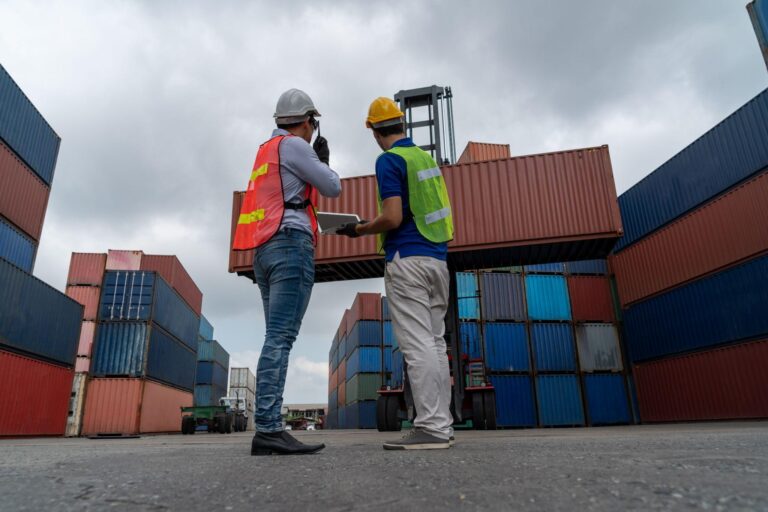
{"points": [[392, 178]]}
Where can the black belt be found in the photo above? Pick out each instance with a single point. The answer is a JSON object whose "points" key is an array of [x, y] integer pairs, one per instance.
{"points": [[298, 206]]}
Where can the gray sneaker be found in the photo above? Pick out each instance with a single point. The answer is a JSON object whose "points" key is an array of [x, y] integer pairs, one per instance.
{"points": [[417, 440]]}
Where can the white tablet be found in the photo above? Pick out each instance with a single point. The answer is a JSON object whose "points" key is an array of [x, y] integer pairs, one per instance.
{"points": [[329, 223]]}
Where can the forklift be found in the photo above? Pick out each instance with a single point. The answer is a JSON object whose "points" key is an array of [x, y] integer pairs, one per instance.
{"points": [[472, 395]]}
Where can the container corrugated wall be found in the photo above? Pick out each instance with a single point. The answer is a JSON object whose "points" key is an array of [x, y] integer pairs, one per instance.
{"points": [[559, 400], [553, 347], [209, 372], [161, 408], [514, 401], [120, 349], [547, 297], [211, 350], [364, 333], [16, 247], [174, 273], [23, 195], [363, 386], [25, 130], [470, 339], [591, 299], [591, 267], [208, 394], [206, 329], [718, 234], [506, 347], [606, 399], [724, 156], [86, 269], [468, 295], [366, 306], [242, 378], [50, 328], [479, 151], [546, 268], [503, 297], [35, 396], [724, 383], [88, 297], [172, 362], [112, 406], [363, 359], [361, 415], [723, 308], [598, 347]]}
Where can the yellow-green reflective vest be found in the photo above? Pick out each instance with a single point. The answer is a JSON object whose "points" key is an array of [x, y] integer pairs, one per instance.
{"points": [[427, 196]]}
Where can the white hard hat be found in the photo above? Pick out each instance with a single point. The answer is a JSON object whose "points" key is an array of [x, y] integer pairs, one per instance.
{"points": [[293, 106]]}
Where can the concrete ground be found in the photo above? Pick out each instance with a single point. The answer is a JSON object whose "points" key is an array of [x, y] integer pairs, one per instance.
{"points": [[714, 466]]}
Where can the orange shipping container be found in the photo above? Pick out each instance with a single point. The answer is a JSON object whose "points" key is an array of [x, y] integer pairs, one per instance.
{"points": [[174, 273], [88, 296], [23, 196], [479, 151], [86, 269], [366, 306]]}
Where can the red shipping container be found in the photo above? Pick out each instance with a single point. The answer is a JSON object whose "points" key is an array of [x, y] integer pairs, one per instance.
{"points": [[87, 333], [591, 299], [538, 208], [23, 196], [366, 306], [342, 374], [82, 364], [333, 381], [124, 260], [723, 383], [132, 406], [88, 296], [35, 396], [86, 269], [479, 151], [342, 394], [722, 233], [346, 323], [171, 269]]}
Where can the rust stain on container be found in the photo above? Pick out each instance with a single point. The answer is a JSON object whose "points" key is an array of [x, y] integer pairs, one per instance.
{"points": [[543, 203], [479, 151], [88, 296], [177, 276], [23, 196], [723, 232], [86, 269]]}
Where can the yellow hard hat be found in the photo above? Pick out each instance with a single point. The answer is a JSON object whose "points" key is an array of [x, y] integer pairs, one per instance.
{"points": [[383, 112]]}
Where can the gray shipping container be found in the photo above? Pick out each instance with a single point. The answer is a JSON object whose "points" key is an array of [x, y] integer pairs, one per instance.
{"points": [[242, 378], [598, 346]]}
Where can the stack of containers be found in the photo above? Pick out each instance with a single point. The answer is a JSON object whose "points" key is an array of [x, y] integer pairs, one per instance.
{"points": [[242, 384], [692, 275], [145, 351], [39, 326], [212, 372], [331, 415], [397, 377]]}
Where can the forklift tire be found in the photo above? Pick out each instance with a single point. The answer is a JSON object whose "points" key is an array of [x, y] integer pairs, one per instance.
{"points": [[489, 404], [478, 411]]}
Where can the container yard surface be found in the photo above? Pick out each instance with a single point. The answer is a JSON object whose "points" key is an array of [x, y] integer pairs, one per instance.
{"points": [[712, 466]]}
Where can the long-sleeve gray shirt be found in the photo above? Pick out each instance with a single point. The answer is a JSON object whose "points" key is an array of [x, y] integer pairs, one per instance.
{"points": [[299, 165]]}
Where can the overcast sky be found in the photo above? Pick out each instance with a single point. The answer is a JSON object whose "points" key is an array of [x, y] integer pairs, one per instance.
{"points": [[162, 105]]}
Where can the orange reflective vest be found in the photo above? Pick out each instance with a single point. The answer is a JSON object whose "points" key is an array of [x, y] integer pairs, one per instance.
{"points": [[264, 205]]}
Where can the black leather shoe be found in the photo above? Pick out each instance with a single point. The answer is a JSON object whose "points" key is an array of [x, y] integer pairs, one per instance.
{"points": [[281, 443]]}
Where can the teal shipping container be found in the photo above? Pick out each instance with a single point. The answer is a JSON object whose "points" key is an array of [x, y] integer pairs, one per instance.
{"points": [[547, 297]]}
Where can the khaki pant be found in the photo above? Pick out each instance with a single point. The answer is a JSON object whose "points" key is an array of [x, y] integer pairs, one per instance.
{"points": [[418, 289]]}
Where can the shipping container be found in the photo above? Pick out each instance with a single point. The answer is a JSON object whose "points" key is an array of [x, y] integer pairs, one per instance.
{"points": [[514, 401], [341, 414], [209, 372], [479, 151], [364, 333], [361, 414], [25, 130], [717, 384], [86, 269], [598, 347], [364, 360], [206, 329], [389, 335], [88, 296], [470, 339], [727, 154], [591, 299], [468, 295], [333, 398], [559, 399], [342, 371], [174, 273], [587, 267], [342, 355], [23, 195], [211, 350], [385, 309], [87, 332], [397, 369], [50, 325], [137, 349], [366, 306], [606, 399], [712, 237], [506, 347], [242, 378], [553, 347], [76, 405], [549, 199], [333, 380], [723, 308], [142, 296], [35, 397], [133, 406], [363, 386], [208, 394], [82, 364], [16, 247], [341, 394], [503, 297], [545, 268], [547, 297], [124, 260]]}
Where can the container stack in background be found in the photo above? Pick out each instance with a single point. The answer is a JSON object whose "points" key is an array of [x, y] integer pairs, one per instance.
{"points": [[242, 384], [212, 373], [692, 275], [39, 326]]}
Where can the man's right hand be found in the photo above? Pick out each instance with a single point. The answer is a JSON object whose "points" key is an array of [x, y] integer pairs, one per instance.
{"points": [[321, 148]]}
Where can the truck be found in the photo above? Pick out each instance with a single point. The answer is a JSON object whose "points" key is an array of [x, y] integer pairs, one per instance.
{"points": [[239, 409], [213, 418]]}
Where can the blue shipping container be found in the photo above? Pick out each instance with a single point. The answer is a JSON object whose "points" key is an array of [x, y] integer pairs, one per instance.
{"points": [[468, 296], [549, 268], [590, 267], [727, 154], [171, 361], [146, 296], [470, 339], [209, 372], [211, 350], [503, 297], [553, 347], [341, 414], [547, 297], [364, 359], [206, 395], [606, 399], [385, 309], [397, 369], [506, 347], [389, 336], [25, 130], [206, 329], [559, 399], [361, 414], [365, 333], [16, 247], [333, 398], [514, 401], [726, 307], [37, 319]]}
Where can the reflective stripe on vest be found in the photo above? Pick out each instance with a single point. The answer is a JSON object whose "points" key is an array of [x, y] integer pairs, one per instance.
{"points": [[427, 196], [261, 212]]}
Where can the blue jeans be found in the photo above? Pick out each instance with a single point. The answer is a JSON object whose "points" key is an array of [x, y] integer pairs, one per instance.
{"points": [[284, 269]]}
